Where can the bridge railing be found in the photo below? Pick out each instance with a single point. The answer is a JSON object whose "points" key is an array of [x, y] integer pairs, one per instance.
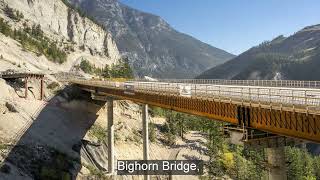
{"points": [[268, 83], [295, 98]]}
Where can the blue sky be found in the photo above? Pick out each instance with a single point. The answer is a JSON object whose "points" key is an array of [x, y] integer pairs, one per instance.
{"points": [[233, 25]]}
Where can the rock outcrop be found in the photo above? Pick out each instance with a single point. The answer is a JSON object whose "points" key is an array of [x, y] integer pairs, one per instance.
{"points": [[65, 26]]}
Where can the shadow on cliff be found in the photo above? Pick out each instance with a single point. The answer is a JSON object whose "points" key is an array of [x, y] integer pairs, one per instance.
{"points": [[51, 147]]}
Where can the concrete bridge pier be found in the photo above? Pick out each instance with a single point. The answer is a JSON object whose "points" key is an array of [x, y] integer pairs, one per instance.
{"points": [[145, 134], [276, 162], [41, 88], [26, 87], [110, 136]]}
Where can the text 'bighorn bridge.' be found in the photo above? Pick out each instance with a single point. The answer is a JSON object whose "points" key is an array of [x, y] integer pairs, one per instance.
{"points": [[287, 108]]}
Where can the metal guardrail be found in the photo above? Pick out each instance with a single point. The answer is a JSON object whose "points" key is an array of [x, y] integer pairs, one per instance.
{"points": [[269, 83], [296, 98]]}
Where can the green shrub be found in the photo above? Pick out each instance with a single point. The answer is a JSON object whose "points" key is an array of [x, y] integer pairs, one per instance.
{"points": [[152, 132], [136, 136], [53, 85], [98, 132], [5, 28], [120, 70], [33, 39], [49, 173], [86, 67], [13, 14], [170, 139], [3, 146], [96, 172], [157, 112]]}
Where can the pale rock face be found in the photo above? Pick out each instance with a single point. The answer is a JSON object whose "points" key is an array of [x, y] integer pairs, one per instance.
{"points": [[66, 26]]}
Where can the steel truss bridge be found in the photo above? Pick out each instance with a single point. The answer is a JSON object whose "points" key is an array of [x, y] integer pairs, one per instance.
{"points": [[285, 108]]}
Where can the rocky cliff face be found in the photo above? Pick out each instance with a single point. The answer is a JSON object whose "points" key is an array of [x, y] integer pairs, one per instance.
{"points": [[152, 46], [65, 26], [295, 57]]}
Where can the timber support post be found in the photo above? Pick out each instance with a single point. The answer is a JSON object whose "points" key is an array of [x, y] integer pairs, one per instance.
{"points": [[110, 136], [145, 134]]}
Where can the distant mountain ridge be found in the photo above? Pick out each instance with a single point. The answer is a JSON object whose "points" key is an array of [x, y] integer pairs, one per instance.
{"points": [[295, 57], [152, 46]]}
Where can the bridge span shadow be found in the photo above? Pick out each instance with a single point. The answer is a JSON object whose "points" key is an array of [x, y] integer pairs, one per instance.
{"points": [[50, 148]]}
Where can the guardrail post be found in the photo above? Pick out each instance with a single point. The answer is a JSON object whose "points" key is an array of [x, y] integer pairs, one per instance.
{"points": [[242, 96], [259, 97], [269, 94], [292, 98], [305, 97], [250, 95], [219, 94]]}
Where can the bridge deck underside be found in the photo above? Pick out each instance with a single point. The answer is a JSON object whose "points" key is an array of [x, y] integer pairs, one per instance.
{"points": [[281, 121]]}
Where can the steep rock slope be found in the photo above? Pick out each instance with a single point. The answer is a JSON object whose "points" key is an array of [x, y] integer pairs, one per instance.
{"points": [[295, 57], [78, 36], [152, 46]]}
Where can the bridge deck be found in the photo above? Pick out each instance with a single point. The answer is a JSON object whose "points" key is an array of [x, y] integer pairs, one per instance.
{"points": [[20, 75], [293, 112]]}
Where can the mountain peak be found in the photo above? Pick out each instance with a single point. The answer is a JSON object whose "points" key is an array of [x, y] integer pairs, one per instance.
{"points": [[296, 57], [152, 46], [312, 28]]}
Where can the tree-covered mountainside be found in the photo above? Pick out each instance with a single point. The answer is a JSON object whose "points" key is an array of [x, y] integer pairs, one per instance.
{"points": [[295, 57], [152, 46]]}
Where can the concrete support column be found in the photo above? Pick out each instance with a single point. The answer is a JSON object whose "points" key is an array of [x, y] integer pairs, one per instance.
{"points": [[277, 164], [145, 134], [110, 136], [41, 89], [26, 87]]}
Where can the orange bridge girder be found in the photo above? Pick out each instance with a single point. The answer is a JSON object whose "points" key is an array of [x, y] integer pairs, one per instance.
{"points": [[281, 121]]}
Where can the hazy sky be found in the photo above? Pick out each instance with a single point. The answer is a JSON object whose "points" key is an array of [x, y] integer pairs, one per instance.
{"points": [[233, 25]]}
